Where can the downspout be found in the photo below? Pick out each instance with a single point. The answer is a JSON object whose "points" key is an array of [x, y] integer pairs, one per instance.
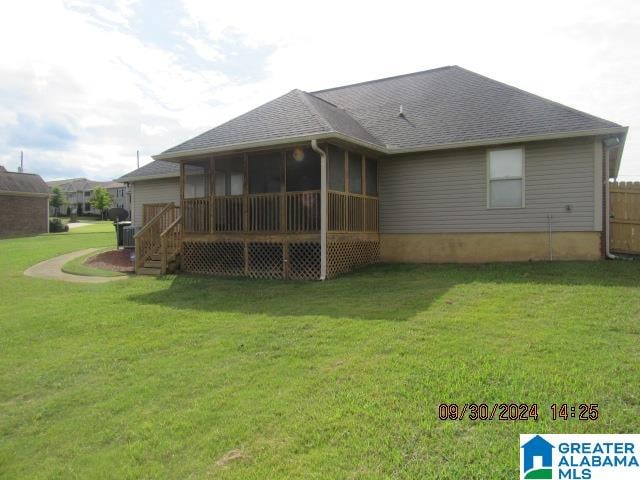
{"points": [[323, 208], [608, 144]]}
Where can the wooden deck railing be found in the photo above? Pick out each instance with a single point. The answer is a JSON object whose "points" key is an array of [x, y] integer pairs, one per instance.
{"points": [[290, 212], [303, 211], [170, 244], [349, 212], [264, 212], [150, 210], [147, 240]]}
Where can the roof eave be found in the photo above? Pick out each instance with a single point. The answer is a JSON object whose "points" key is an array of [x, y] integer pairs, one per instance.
{"points": [[620, 151], [176, 156], [511, 139], [24, 194], [131, 179]]}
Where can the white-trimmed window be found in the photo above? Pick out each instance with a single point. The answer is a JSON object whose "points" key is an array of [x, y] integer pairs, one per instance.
{"points": [[505, 178]]}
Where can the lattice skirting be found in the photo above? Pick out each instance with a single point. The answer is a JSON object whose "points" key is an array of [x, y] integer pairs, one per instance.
{"points": [[218, 258], [265, 260], [304, 260], [344, 256], [295, 260]]}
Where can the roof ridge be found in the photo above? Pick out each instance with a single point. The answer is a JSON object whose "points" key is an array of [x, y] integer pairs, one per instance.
{"points": [[308, 95], [323, 100], [538, 96], [314, 111], [232, 119], [366, 82]]}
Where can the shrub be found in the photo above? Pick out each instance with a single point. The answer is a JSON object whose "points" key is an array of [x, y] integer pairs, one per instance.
{"points": [[56, 225]]}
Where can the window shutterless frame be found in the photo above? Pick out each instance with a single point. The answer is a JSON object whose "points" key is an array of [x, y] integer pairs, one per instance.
{"points": [[488, 175]]}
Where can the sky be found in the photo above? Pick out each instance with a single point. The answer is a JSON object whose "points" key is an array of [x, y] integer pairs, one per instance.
{"points": [[84, 84]]}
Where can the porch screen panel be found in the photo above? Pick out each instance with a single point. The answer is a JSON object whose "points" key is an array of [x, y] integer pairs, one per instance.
{"points": [[265, 172], [196, 181], [303, 174], [371, 170], [336, 168], [355, 173], [229, 176]]}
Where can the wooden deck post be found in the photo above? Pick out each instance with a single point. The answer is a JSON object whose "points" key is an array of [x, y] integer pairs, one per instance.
{"points": [[212, 192], [283, 194], [245, 193], [346, 190], [363, 191]]}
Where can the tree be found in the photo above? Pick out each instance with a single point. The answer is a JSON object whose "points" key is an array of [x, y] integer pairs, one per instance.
{"points": [[101, 200], [56, 200]]}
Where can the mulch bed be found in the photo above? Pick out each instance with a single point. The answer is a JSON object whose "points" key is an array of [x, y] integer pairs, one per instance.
{"points": [[117, 260]]}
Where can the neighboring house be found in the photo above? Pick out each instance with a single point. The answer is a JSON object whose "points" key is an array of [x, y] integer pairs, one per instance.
{"points": [[78, 193], [24, 203], [443, 165], [152, 184]]}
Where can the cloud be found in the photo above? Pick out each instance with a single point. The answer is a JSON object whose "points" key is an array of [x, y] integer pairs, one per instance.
{"points": [[39, 133], [88, 83]]}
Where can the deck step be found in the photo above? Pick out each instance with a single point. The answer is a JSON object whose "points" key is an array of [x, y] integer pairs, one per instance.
{"points": [[152, 263], [148, 271]]}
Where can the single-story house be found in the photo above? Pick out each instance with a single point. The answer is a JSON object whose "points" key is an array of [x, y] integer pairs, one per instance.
{"points": [[78, 192], [153, 184], [443, 165], [24, 203]]}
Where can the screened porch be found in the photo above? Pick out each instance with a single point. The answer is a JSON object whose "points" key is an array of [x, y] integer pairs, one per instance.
{"points": [[279, 192], [263, 214]]}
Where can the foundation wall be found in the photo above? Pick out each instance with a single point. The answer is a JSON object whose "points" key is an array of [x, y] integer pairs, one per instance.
{"points": [[489, 247]]}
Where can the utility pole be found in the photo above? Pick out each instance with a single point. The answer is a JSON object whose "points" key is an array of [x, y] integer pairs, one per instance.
{"points": [[138, 157]]}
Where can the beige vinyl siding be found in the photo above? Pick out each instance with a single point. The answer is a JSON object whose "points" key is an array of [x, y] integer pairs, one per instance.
{"points": [[439, 192], [162, 190]]}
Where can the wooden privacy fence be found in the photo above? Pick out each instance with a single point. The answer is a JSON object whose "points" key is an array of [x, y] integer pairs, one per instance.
{"points": [[625, 217]]}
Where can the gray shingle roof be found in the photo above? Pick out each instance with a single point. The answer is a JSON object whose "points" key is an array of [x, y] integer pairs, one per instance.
{"points": [[296, 113], [22, 183], [443, 106], [450, 105], [81, 184], [155, 169], [68, 184]]}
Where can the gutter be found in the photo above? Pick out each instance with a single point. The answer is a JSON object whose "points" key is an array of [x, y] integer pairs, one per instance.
{"points": [[387, 149], [323, 208]]}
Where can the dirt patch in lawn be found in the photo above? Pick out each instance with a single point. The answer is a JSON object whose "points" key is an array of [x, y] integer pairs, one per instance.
{"points": [[231, 456], [116, 260]]}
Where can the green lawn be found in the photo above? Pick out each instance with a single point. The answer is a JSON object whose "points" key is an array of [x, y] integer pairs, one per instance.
{"points": [[192, 377]]}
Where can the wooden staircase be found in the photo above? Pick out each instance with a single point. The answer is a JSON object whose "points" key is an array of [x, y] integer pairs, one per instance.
{"points": [[159, 243]]}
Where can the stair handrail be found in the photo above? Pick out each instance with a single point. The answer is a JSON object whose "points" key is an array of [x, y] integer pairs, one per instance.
{"points": [[164, 250], [141, 242], [154, 219]]}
